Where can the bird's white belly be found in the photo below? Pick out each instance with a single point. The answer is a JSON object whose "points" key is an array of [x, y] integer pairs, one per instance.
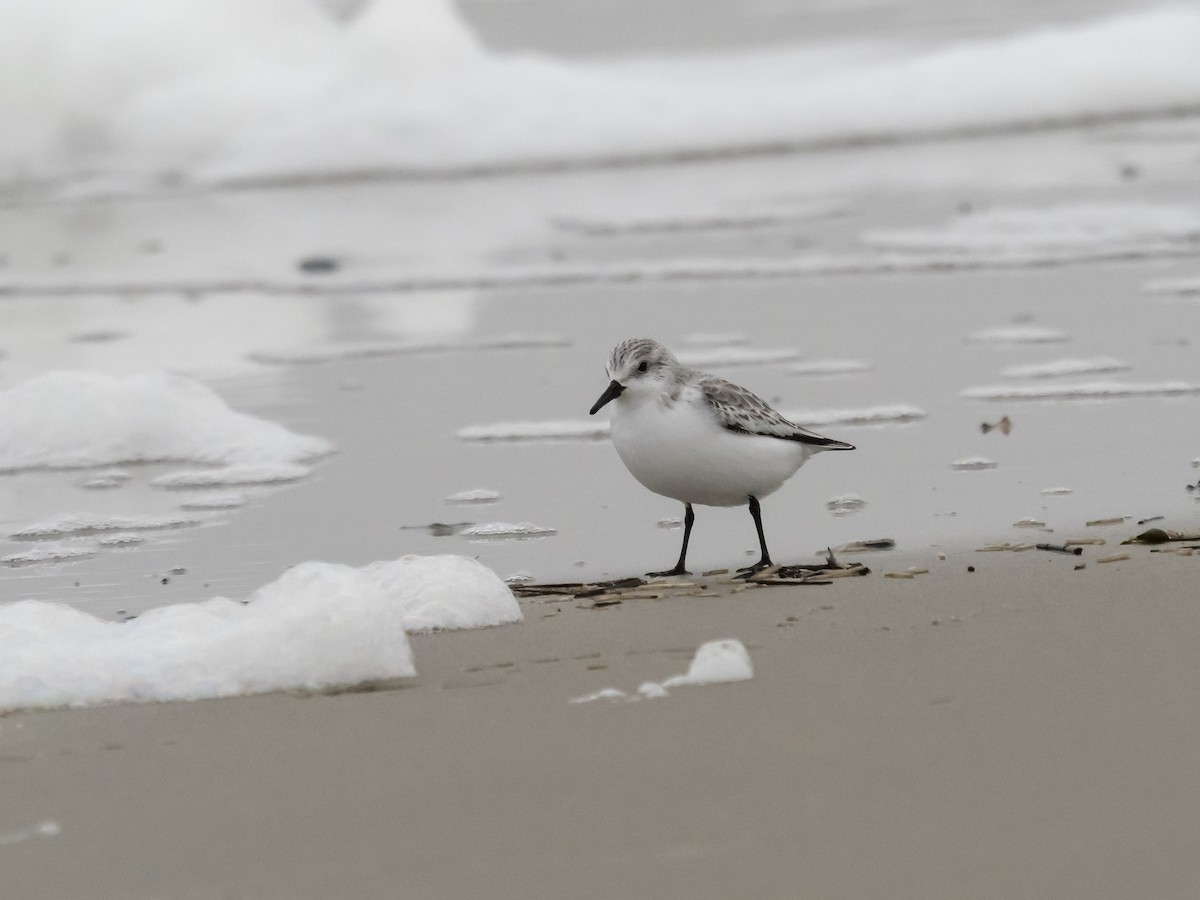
{"points": [[681, 452]]}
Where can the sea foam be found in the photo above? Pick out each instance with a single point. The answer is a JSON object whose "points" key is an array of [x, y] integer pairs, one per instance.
{"points": [[247, 89], [318, 626], [80, 419], [715, 662]]}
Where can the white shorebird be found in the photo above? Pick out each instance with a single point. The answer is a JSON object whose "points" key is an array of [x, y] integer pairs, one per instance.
{"points": [[700, 439]]}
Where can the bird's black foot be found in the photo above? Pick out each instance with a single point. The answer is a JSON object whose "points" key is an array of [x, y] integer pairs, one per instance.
{"points": [[764, 563], [678, 570]]}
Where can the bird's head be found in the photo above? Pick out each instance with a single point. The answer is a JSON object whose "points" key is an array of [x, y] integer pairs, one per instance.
{"points": [[638, 367]]}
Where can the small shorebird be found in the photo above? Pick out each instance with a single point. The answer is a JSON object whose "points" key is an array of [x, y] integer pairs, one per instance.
{"points": [[700, 439]]}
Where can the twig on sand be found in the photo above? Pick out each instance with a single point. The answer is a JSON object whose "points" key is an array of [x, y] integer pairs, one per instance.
{"points": [[1162, 536], [1061, 548]]}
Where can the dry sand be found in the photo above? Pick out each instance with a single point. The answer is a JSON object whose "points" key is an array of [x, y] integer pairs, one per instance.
{"points": [[1025, 730]]}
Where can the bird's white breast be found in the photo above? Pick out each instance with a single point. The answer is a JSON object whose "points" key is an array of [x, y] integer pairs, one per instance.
{"points": [[679, 450]]}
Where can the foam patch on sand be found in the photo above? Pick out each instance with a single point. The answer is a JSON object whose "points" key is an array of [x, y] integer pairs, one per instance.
{"points": [[318, 626], [48, 552], [715, 662], [71, 524], [845, 504], [506, 531], [973, 464], [1059, 368], [474, 495], [81, 419], [1018, 334], [1095, 390], [239, 474], [215, 501]]}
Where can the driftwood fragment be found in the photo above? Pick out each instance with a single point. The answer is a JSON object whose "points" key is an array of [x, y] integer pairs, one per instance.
{"points": [[1162, 536]]}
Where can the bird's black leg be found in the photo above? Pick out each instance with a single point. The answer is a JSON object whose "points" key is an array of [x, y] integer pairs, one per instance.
{"points": [[688, 518], [765, 561]]}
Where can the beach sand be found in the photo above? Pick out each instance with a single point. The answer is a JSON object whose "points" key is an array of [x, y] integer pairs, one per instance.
{"points": [[1026, 729]]}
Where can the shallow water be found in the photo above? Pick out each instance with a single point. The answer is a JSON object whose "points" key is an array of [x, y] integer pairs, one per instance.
{"points": [[394, 416], [395, 316]]}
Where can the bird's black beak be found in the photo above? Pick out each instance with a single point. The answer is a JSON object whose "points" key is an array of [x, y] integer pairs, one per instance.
{"points": [[612, 392]]}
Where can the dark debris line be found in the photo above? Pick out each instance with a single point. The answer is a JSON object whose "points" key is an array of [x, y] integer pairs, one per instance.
{"points": [[609, 593]]}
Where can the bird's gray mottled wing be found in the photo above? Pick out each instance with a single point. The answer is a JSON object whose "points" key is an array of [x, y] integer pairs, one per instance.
{"points": [[737, 409]]}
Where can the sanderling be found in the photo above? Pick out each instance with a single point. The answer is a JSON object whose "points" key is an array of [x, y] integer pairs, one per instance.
{"points": [[700, 439]]}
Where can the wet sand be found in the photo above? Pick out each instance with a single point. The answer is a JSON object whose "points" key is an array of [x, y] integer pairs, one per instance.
{"points": [[1023, 730]]}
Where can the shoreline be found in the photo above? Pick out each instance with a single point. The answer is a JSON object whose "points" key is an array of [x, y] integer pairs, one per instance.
{"points": [[1020, 730]]}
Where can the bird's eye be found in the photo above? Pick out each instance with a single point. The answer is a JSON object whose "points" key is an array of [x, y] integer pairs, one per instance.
{"points": [[643, 366]]}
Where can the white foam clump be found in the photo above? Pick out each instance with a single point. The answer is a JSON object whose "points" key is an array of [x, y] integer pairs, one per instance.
{"points": [[973, 464], [1116, 229], [121, 539], [82, 419], [219, 88], [1066, 367], [1096, 390], [506, 531], [715, 662], [1018, 334], [475, 495], [48, 552], [318, 626], [215, 501], [237, 474], [844, 504], [90, 523]]}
